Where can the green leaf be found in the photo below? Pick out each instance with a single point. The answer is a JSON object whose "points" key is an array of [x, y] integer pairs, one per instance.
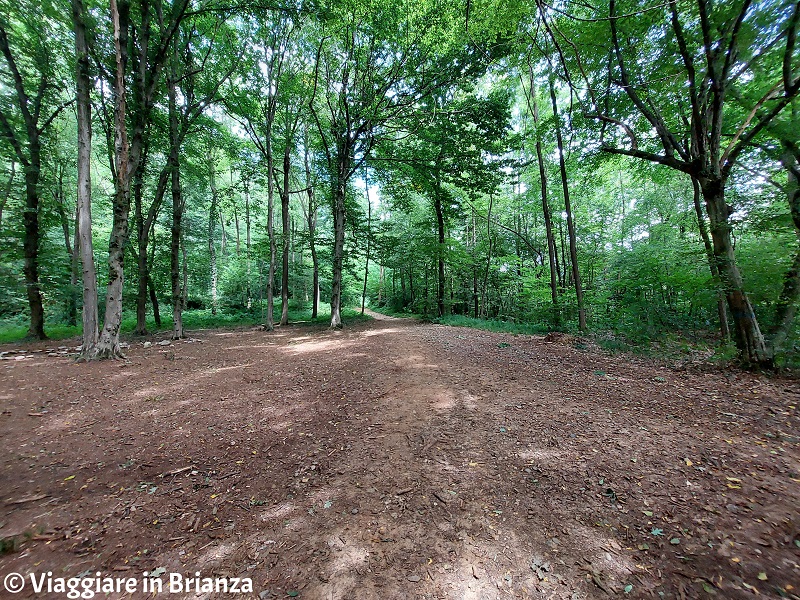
{"points": [[293, 593], [708, 589], [648, 513], [675, 541], [657, 531], [628, 588]]}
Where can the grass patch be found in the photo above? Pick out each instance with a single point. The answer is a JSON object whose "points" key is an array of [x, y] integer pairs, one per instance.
{"points": [[391, 312], [16, 330]]}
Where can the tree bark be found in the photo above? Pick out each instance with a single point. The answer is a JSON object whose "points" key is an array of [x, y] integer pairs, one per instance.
{"points": [[311, 220], [287, 165], [749, 339], [212, 218], [339, 214], [178, 291], [548, 220], [369, 228], [83, 226], [722, 313], [71, 247], [108, 345], [270, 324], [573, 245], [437, 204]]}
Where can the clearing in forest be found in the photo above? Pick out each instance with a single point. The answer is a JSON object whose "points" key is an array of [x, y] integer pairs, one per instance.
{"points": [[395, 459]]}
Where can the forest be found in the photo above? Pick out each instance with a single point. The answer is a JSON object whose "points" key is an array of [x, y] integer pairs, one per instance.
{"points": [[628, 170], [465, 299]]}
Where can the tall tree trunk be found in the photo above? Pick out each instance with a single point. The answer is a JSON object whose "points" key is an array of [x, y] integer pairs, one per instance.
{"points": [[212, 218], [287, 165], [236, 219], [722, 313], [178, 291], [150, 283], [142, 234], [83, 226], [437, 204], [108, 345], [339, 214], [270, 324], [484, 312], [224, 240], [573, 245], [247, 242], [411, 285], [71, 247], [369, 228], [30, 242], [747, 333], [548, 221], [75, 265], [311, 220]]}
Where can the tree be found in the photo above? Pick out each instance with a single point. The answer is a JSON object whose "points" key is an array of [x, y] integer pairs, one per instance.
{"points": [[84, 209], [679, 86], [151, 55], [34, 85]]}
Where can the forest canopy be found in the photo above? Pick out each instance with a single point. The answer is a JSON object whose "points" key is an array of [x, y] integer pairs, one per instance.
{"points": [[627, 168]]}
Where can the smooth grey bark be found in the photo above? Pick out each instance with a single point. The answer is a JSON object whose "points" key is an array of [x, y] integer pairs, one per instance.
{"points": [[83, 225]]}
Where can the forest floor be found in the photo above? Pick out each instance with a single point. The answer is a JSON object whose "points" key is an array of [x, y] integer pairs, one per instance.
{"points": [[396, 459]]}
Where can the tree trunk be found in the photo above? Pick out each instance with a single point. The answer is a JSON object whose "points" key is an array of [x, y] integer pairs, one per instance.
{"points": [[722, 313], [311, 220], [247, 242], [747, 333], [270, 324], [484, 287], [142, 234], [30, 243], [71, 247], [339, 214], [178, 291], [287, 165], [548, 221], [573, 245], [437, 204], [369, 227], [108, 345], [83, 226], [212, 217]]}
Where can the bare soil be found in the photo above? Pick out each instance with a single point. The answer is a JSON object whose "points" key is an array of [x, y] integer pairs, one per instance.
{"points": [[396, 459]]}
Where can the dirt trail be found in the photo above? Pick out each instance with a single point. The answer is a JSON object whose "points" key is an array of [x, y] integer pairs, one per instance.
{"points": [[400, 460]]}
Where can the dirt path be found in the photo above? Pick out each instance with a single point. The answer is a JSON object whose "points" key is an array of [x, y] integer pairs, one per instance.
{"points": [[399, 460]]}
